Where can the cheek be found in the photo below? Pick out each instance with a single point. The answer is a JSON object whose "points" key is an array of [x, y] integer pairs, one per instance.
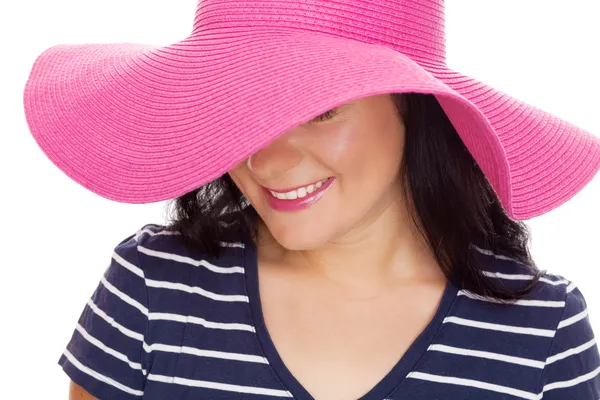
{"points": [[366, 154], [241, 179]]}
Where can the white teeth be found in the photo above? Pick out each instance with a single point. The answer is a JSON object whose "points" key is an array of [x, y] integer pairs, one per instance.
{"points": [[299, 193]]}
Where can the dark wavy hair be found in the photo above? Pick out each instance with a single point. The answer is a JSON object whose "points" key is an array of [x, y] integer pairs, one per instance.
{"points": [[452, 205]]}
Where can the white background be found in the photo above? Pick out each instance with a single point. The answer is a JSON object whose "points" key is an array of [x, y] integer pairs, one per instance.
{"points": [[58, 237]]}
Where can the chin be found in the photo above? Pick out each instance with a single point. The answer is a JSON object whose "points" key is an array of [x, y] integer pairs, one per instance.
{"points": [[299, 239]]}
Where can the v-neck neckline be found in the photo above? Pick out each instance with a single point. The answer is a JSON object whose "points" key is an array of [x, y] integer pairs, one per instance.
{"points": [[388, 384]]}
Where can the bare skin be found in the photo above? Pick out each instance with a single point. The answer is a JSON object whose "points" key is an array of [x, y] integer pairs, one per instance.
{"points": [[347, 284], [342, 338], [76, 392]]}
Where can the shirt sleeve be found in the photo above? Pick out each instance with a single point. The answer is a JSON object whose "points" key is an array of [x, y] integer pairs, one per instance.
{"points": [[105, 354], [573, 364]]}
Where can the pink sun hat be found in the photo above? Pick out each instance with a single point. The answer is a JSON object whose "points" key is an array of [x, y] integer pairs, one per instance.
{"points": [[140, 123]]}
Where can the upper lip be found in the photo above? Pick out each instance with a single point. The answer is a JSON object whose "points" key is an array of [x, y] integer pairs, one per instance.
{"points": [[295, 187]]}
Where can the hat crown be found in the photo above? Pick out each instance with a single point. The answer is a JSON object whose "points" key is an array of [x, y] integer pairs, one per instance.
{"points": [[413, 27]]}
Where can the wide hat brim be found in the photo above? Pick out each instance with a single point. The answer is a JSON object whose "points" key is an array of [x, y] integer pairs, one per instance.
{"points": [[140, 124]]}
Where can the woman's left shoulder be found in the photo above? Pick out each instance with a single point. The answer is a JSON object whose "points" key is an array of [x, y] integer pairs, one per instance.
{"points": [[572, 359], [511, 274], [572, 365]]}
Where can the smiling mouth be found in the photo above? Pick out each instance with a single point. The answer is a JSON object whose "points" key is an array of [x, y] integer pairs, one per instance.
{"points": [[299, 193]]}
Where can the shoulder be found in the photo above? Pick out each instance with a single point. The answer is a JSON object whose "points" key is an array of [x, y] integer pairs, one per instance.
{"points": [[547, 334], [555, 310], [157, 240], [512, 274], [553, 298], [161, 253]]}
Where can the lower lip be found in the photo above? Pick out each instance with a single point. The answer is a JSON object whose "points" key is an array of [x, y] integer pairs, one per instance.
{"points": [[298, 204]]}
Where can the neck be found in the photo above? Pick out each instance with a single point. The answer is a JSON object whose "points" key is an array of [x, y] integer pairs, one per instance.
{"points": [[383, 250]]}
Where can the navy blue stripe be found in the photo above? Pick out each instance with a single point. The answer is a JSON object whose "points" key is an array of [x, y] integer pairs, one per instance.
{"points": [[218, 370], [96, 388]]}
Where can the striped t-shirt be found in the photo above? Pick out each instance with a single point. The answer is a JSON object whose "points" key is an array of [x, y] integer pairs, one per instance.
{"points": [[164, 323]]}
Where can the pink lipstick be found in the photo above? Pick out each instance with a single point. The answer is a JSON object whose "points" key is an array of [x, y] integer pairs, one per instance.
{"points": [[299, 198]]}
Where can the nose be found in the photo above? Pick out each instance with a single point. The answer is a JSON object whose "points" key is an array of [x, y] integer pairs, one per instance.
{"points": [[278, 157]]}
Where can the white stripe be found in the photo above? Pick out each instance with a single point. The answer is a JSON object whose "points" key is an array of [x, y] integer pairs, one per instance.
{"points": [[530, 303], [523, 277], [178, 286], [177, 318], [126, 264], [489, 355], [220, 386], [204, 353], [573, 319], [99, 376], [571, 287], [500, 328], [570, 352], [165, 232], [188, 260], [196, 290], [201, 321], [498, 256], [113, 323], [123, 296], [152, 233], [473, 383], [571, 382], [120, 356], [180, 318], [555, 283], [232, 244]]}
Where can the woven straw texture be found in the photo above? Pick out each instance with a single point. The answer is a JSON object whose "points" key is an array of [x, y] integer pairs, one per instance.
{"points": [[139, 124]]}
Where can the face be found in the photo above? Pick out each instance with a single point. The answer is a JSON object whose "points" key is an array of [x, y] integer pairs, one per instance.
{"points": [[329, 176]]}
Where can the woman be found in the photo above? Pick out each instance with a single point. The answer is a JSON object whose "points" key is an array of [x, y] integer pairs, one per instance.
{"points": [[370, 251]]}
